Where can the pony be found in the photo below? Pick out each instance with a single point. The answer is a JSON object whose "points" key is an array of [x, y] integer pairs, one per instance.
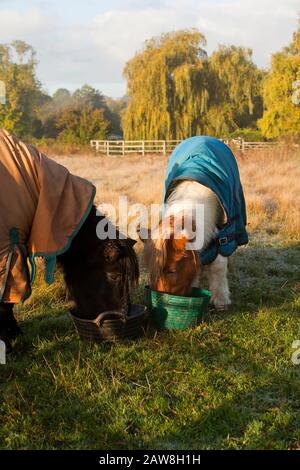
{"points": [[202, 172]]}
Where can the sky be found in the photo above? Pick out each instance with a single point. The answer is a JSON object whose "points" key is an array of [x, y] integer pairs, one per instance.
{"points": [[89, 41]]}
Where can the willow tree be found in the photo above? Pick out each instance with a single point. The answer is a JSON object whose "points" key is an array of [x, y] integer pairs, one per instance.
{"points": [[282, 93], [168, 87], [236, 90]]}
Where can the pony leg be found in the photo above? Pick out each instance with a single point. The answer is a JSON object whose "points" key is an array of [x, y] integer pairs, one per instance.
{"points": [[218, 283]]}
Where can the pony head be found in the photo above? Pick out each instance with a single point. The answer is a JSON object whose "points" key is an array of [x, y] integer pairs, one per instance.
{"points": [[172, 266]]}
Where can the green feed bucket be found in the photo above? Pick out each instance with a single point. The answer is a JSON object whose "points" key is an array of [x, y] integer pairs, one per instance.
{"points": [[177, 312]]}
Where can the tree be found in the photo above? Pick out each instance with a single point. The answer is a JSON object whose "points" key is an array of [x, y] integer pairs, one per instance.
{"points": [[23, 90], [89, 96], [61, 97], [176, 91], [75, 118], [80, 124], [116, 109], [281, 93], [49, 110], [167, 87], [236, 90]]}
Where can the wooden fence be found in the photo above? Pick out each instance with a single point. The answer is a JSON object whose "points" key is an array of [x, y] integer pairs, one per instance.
{"points": [[124, 147]]}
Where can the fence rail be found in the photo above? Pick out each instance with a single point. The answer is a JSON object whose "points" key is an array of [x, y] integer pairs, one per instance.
{"points": [[124, 147]]}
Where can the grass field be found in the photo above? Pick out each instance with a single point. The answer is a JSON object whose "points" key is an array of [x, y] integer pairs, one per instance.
{"points": [[229, 384]]}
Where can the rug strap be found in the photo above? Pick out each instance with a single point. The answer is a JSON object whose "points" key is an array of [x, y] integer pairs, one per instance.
{"points": [[50, 264]]}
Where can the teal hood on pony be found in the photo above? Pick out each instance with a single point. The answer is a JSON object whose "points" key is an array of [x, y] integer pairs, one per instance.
{"points": [[210, 162]]}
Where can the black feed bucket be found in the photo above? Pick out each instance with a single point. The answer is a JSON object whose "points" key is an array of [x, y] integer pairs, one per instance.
{"points": [[112, 326]]}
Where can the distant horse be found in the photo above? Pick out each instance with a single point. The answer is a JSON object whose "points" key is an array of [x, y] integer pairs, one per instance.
{"points": [[47, 212], [202, 172]]}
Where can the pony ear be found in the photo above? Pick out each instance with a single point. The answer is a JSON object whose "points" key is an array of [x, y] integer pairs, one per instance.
{"points": [[143, 233], [116, 249], [130, 242], [127, 242]]}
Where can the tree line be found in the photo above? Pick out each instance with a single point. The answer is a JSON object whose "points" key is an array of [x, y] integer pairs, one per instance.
{"points": [[70, 117], [174, 90]]}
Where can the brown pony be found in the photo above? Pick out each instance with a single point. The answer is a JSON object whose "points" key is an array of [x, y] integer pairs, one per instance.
{"points": [[175, 268]]}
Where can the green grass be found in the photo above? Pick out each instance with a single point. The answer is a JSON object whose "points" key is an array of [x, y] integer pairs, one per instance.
{"points": [[229, 384]]}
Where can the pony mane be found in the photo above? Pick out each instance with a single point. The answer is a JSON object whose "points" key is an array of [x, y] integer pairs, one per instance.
{"points": [[130, 268], [155, 255]]}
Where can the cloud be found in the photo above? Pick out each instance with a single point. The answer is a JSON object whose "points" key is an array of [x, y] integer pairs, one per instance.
{"points": [[122, 33], [30, 24], [264, 25], [94, 49]]}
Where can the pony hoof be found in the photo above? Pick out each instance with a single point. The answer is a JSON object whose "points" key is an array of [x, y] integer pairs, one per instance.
{"points": [[221, 302], [221, 308]]}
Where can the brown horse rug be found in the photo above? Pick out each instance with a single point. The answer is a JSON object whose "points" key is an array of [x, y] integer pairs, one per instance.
{"points": [[42, 208]]}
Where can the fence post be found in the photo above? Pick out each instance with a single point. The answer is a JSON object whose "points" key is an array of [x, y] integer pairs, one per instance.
{"points": [[107, 148], [143, 148], [123, 147], [243, 145], [164, 147]]}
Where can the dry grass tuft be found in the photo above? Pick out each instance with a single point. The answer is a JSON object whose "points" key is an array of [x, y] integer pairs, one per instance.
{"points": [[272, 189], [271, 180]]}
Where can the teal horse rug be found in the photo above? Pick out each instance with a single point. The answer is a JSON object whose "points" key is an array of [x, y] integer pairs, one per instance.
{"points": [[211, 163]]}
